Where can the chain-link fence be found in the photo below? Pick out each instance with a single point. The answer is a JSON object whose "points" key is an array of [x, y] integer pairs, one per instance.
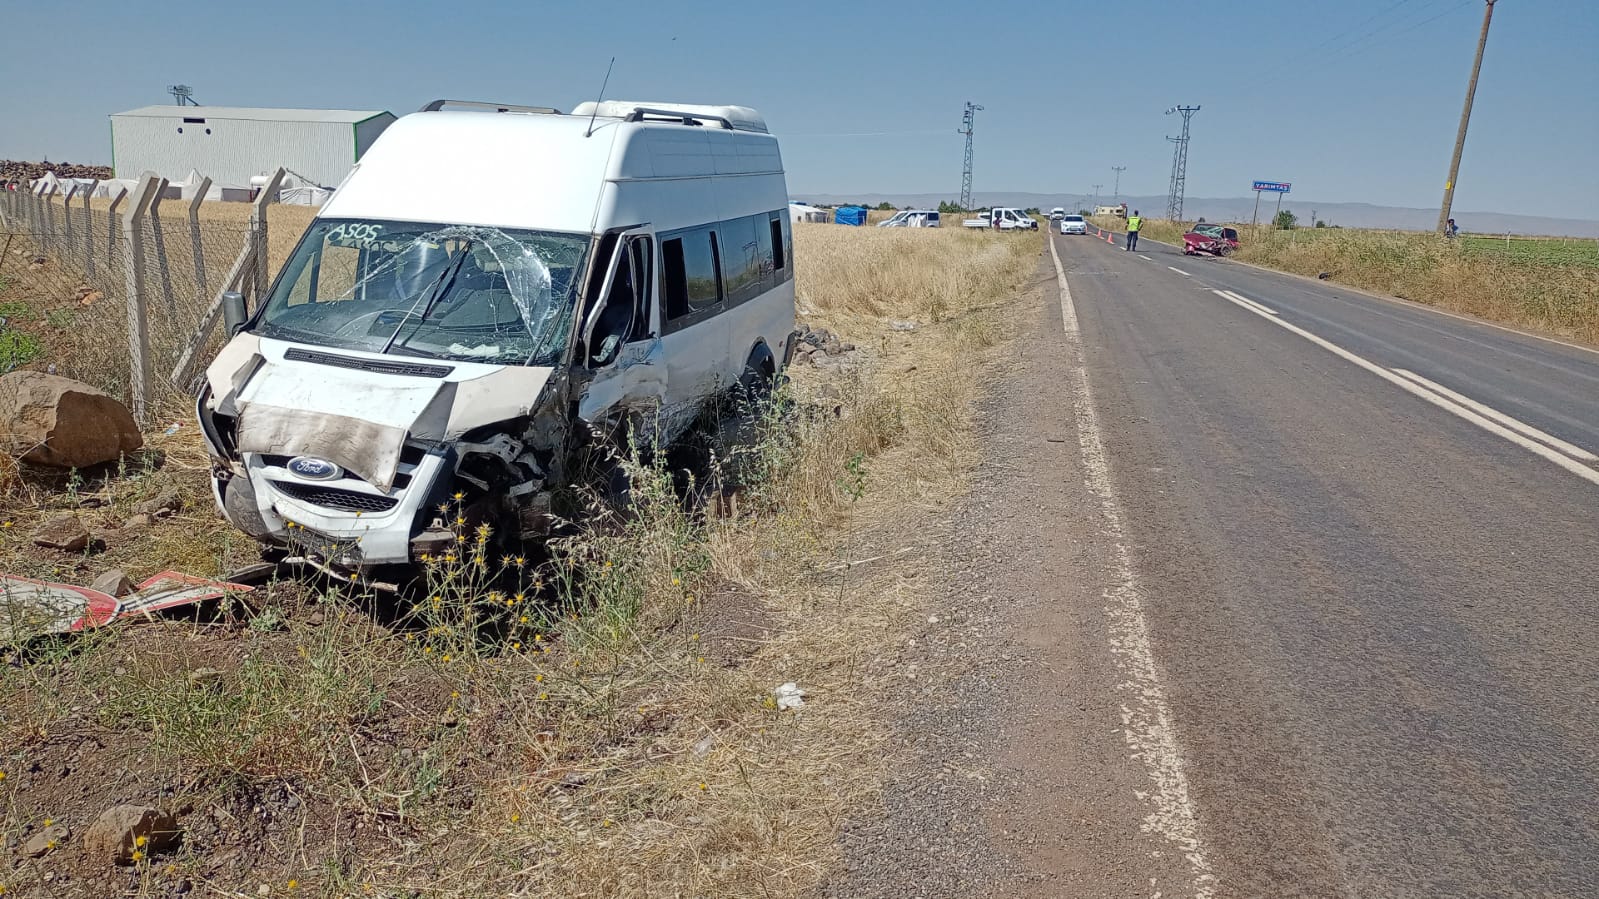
{"points": [[121, 292]]}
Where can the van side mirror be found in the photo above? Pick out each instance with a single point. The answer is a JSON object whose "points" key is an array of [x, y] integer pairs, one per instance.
{"points": [[234, 313]]}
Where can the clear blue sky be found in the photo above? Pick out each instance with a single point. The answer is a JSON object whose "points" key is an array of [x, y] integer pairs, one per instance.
{"points": [[1351, 101]]}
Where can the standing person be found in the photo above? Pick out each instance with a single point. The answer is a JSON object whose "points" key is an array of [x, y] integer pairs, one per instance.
{"points": [[1451, 229], [1134, 222]]}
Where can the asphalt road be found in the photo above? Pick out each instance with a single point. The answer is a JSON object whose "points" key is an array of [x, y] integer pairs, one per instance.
{"points": [[1366, 540]]}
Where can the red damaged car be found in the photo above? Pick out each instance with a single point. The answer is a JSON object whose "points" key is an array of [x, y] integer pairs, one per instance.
{"points": [[1217, 240]]}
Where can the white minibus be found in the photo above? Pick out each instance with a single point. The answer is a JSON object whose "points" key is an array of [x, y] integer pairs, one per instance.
{"points": [[491, 289]]}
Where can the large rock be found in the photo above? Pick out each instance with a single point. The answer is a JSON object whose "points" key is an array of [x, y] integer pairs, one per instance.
{"points": [[114, 836], [50, 420]]}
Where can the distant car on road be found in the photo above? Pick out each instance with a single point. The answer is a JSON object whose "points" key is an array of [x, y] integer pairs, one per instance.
{"points": [[1213, 240], [1057, 214], [912, 218], [1073, 224]]}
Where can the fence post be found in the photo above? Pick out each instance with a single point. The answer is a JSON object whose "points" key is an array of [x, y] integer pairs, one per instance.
{"points": [[66, 217], [194, 236], [161, 265], [88, 229], [49, 241], [111, 225], [36, 216], [258, 233], [138, 331]]}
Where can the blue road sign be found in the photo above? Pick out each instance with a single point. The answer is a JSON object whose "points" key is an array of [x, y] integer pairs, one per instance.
{"points": [[1280, 187]]}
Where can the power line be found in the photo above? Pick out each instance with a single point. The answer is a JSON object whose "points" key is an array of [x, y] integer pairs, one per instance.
{"points": [[1118, 169], [1336, 47], [1347, 32], [1355, 50]]}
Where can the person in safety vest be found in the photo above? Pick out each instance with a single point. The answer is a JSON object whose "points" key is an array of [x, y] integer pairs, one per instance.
{"points": [[1134, 222]]}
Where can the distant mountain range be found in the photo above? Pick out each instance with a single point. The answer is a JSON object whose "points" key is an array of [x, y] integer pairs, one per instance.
{"points": [[1240, 209]]}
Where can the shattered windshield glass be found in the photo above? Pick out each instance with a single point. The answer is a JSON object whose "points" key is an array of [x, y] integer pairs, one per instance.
{"points": [[467, 293]]}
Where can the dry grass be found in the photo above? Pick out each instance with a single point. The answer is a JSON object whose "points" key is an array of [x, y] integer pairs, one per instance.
{"points": [[1547, 286], [613, 731]]}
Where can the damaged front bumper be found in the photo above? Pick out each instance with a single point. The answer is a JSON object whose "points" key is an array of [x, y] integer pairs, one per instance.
{"points": [[356, 462], [342, 521]]}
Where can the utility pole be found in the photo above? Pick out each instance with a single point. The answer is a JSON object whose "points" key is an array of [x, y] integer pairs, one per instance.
{"points": [[1118, 169], [1179, 165], [1465, 119], [1096, 196], [967, 122]]}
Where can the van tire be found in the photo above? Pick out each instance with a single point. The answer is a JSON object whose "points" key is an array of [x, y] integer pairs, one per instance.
{"points": [[760, 374]]}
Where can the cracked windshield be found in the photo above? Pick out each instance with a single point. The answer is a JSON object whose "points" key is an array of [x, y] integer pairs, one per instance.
{"points": [[414, 289]]}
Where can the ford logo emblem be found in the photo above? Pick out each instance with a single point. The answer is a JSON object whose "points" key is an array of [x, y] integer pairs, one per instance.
{"points": [[314, 469]]}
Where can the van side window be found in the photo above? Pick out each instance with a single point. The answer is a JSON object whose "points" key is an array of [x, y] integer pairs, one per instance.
{"points": [[674, 280], [691, 283], [777, 243], [643, 258], [741, 259]]}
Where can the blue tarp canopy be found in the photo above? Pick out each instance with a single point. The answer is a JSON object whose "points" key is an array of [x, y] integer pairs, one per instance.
{"points": [[850, 215]]}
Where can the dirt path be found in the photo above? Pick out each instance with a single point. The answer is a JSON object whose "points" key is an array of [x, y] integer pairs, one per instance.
{"points": [[1017, 777]]}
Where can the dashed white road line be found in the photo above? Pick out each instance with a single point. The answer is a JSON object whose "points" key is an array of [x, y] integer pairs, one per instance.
{"points": [[1179, 271], [1147, 721], [1142, 256], [1489, 419]]}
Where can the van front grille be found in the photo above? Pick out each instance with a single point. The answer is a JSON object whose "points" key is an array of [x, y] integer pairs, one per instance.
{"points": [[334, 498]]}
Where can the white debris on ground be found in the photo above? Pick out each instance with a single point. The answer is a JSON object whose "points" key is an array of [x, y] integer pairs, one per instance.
{"points": [[789, 697]]}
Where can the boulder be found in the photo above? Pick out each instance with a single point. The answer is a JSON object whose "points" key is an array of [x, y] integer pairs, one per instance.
{"points": [[63, 532], [114, 836], [49, 420]]}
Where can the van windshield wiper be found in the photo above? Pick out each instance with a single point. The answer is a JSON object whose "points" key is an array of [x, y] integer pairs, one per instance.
{"points": [[446, 279]]}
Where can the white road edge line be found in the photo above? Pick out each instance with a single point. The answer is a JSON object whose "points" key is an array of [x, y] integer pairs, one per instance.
{"points": [[1148, 727], [1492, 427], [1240, 298], [1179, 271], [1514, 424]]}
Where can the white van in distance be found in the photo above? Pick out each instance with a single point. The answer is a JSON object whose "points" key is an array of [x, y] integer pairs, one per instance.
{"points": [[912, 218], [492, 290]]}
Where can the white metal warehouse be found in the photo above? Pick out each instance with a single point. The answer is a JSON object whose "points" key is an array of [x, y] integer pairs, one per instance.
{"points": [[232, 144]]}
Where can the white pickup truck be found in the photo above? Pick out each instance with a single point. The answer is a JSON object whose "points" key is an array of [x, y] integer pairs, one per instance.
{"points": [[1010, 219]]}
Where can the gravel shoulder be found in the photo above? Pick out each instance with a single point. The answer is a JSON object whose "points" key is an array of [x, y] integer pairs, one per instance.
{"points": [[1011, 776]]}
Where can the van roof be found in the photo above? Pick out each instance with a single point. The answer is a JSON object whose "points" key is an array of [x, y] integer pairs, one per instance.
{"points": [[531, 171]]}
